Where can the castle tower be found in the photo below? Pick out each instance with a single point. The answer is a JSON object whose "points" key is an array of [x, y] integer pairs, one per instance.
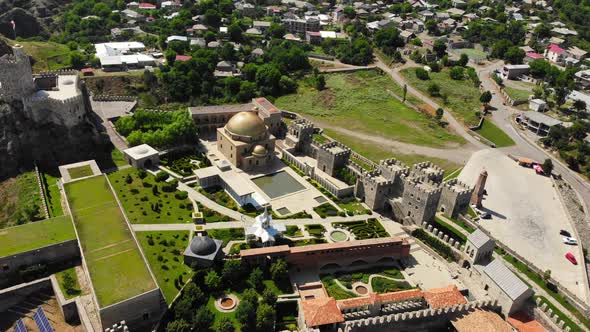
{"points": [[420, 199], [477, 195], [332, 157], [16, 75]]}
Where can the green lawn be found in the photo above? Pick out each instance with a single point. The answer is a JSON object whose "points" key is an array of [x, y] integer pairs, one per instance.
{"points": [[517, 94], [334, 290], [376, 152], [353, 206], [80, 172], [139, 201], [35, 235], [114, 261], [293, 231], [75, 289], [449, 230], [118, 158], [565, 317], [211, 215], [163, 251], [227, 234], [46, 55], [361, 102], [326, 210], [53, 195], [348, 278], [219, 195], [20, 200], [472, 53], [463, 96], [494, 134]]}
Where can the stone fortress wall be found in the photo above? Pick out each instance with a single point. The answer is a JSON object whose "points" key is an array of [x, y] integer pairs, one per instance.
{"points": [[16, 75]]}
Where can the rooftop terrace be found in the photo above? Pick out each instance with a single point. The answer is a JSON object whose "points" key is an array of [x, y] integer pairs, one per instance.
{"points": [[35, 235], [115, 264]]}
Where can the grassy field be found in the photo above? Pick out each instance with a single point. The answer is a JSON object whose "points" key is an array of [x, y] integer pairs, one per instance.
{"points": [[463, 97], [114, 261], [227, 234], [138, 200], [35, 235], [75, 288], [471, 52], [375, 152], [517, 94], [163, 251], [118, 158], [361, 102], [46, 55], [80, 172], [53, 195], [494, 134], [20, 200]]}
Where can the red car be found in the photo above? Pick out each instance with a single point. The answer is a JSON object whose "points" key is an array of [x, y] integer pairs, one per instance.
{"points": [[570, 257]]}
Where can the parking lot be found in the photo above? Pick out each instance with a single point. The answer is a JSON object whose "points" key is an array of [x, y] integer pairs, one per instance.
{"points": [[527, 215]]}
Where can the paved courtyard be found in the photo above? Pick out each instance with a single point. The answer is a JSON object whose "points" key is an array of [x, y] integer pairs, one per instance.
{"points": [[527, 215]]}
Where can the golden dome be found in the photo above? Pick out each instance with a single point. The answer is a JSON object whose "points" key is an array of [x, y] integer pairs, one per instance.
{"points": [[259, 151], [246, 124]]}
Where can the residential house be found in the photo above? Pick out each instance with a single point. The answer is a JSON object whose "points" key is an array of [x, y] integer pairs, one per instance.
{"points": [[554, 53]]}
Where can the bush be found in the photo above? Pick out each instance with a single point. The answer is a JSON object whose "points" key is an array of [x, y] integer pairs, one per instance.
{"points": [[457, 73], [422, 74], [181, 195], [438, 246], [161, 176], [434, 89]]}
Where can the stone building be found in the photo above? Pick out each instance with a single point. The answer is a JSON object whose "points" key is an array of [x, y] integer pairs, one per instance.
{"points": [[455, 198], [382, 184], [203, 251], [420, 199], [16, 66], [299, 135], [477, 196], [245, 141], [142, 156], [270, 115], [332, 156], [479, 247]]}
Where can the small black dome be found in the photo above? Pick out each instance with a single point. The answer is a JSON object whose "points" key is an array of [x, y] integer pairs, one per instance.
{"points": [[203, 245]]}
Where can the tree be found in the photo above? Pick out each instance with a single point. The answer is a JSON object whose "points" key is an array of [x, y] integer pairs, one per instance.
{"points": [[183, 308], [422, 74], [439, 113], [255, 279], [203, 319], [212, 280], [463, 60], [69, 283], [268, 79], [547, 273], [579, 105], [232, 271], [514, 55], [457, 73], [485, 97], [225, 325], [269, 297], [212, 18], [77, 59], [279, 271], [548, 169], [320, 82], [439, 47], [179, 325], [433, 89], [235, 32], [276, 30], [246, 314], [265, 317], [404, 93], [349, 12], [431, 26]]}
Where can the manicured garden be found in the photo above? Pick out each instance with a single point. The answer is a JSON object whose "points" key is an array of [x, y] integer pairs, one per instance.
{"points": [[219, 196], [437, 245], [35, 235], [80, 171], [184, 162], [293, 231], [361, 102], [211, 215], [149, 199], [52, 195], [114, 261], [492, 133], [352, 206], [326, 210], [334, 290], [163, 250], [316, 230], [364, 229], [227, 234], [363, 275], [384, 285]]}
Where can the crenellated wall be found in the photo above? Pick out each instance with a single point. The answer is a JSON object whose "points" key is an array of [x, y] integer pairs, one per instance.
{"points": [[16, 75]]}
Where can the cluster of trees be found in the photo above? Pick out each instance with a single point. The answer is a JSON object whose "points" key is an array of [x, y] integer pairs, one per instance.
{"points": [[356, 52], [388, 40], [255, 312], [571, 145], [503, 38], [158, 129], [561, 81]]}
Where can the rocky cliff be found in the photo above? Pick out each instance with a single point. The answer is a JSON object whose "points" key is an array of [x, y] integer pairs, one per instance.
{"points": [[22, 142], [32, 17]]}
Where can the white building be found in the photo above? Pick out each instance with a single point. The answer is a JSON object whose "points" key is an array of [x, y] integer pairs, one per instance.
{"points": [[263, 231], [122, 55]]}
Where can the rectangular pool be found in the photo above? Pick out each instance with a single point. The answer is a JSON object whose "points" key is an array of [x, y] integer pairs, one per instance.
{"points": [[278, 184]]}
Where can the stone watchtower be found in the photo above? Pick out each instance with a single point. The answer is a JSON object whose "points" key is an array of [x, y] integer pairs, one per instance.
{"points": [[332, 157], [386, 182], [429, 170], [299, 135], [16, 75], [420, 199], [477, 195], [455, 198]]}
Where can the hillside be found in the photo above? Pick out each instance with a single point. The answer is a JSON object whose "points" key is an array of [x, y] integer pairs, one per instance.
{"points": [[32, 17], [44, 55]]}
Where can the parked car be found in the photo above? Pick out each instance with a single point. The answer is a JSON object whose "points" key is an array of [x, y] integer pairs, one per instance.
{"points": [[570, 240], [486, 215], [570, 257], [564, 233]]}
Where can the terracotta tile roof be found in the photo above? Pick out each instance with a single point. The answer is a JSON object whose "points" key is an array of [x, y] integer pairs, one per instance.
{"points": [[523, 323], [444, 297], [321, 311], [481, 321], [555, 49], [381, 298]]}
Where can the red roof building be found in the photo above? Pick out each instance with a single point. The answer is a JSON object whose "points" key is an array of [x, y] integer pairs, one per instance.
{"points": [[322, 311], [146, 5], [183, 58]]}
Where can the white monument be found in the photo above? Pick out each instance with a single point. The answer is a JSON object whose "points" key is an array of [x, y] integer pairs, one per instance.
{"points": [[263, 230]]}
